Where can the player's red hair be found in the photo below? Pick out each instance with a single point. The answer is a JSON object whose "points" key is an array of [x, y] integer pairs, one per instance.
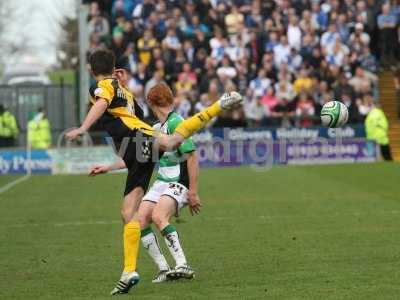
{"points": [[160, 95]]}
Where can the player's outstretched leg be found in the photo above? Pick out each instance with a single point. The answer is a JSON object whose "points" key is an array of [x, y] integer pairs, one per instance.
{"points": [[201, 119], [150, 243]]}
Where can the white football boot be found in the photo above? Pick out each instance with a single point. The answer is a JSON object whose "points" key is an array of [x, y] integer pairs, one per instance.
{"points": [[178, 272], [161, 276], [125, 283], [229, 100]]}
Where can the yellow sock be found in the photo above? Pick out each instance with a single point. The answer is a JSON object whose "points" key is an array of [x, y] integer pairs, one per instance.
{"points": [[131, 245], [190, 126]]}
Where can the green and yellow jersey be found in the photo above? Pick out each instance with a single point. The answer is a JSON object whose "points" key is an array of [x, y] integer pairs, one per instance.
{"points": [[123, 114]]}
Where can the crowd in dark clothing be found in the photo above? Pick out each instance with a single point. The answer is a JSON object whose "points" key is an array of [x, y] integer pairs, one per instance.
{"points": [[287, 58]]}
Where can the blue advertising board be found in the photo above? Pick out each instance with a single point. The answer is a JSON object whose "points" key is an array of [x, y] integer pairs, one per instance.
{"points": [[16, 162], [218, 148], [237, 134], [268, 153]]}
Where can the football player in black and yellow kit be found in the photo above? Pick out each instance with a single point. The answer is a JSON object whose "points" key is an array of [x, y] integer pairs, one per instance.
{"points": [[138, 144]]}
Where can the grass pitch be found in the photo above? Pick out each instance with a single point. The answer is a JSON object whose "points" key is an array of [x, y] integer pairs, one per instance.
{"points": [[325, 232]]}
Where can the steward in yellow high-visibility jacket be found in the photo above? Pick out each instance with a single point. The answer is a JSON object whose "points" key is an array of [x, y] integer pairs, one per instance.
{"points": [[39, 132], [377, 128], [8, 128]]}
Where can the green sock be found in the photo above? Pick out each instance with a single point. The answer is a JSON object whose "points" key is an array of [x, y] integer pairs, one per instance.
{"points": [[168, 229], [146, 231]]}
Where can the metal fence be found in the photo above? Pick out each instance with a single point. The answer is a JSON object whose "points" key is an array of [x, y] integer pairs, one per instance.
{"points": [[58, 102]]}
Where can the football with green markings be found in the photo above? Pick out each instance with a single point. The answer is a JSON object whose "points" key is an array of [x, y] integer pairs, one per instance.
{"points": [[334, 114]]}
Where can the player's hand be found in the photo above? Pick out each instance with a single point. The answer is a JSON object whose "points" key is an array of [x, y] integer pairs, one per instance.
{"points": [[98, 170], [74, 133], [194, 203]]}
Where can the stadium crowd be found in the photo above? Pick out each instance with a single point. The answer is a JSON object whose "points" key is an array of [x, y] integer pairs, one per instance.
{"points": [[287, 57]]}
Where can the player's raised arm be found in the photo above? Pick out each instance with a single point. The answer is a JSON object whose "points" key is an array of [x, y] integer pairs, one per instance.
{"points": [[102, 68], [95, 112]]}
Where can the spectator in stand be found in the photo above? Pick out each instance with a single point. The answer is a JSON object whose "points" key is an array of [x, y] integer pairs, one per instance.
{"points": [[304, 82], [188, 73], [122, 8], [260, 84], [284, 90], [354, 115], [342, 87], [233, 19], [203, 103], [364, 105], [156, 79], [98, 25], [305, 110], [269, 100], [294, 33], [329, 38], [319, 16], [387, 23], [254, 111], [145, 46], [359, 33], [206, 47], [217, 45], [133, 59], [213, 92], [307, 22], [118, 46], [226, 68], [343, 27], [337, 53], [195, 25], [281, 51], [184, 84], [182, 104], [171, 42], [362, 79], [322, 92], [367, 60]]}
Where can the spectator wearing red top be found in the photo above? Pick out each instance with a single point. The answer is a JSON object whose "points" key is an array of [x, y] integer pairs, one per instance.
{"points": [[305, 110]]}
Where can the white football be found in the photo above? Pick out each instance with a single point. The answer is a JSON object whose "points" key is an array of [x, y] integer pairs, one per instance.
{"points": [[334, 114]]}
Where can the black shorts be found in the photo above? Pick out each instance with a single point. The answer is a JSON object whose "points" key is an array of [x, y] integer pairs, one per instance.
{"points": [[140, 157]]}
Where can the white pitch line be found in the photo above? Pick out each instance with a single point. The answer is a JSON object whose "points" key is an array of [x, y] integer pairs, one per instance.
{"points": [[11, 184]]}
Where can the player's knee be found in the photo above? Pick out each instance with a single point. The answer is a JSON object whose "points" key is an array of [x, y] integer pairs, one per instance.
{"points": [[159, 219], [126, 214], [144, 220]]}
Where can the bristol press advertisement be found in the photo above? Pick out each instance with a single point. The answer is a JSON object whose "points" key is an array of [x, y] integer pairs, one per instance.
{"points": [[217, 148]]}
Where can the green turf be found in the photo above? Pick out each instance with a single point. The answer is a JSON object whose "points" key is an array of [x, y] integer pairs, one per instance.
{"points": [[326, 232]]}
